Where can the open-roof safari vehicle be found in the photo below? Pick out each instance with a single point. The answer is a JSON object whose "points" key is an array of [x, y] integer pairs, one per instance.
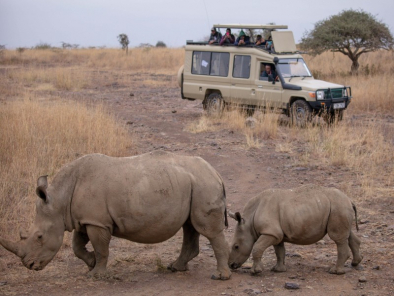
{"points": [[220, 75]]}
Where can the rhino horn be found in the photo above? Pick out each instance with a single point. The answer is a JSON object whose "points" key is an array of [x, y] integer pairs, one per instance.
{"points": [[236, 216], [232, 215], [11, 246]]}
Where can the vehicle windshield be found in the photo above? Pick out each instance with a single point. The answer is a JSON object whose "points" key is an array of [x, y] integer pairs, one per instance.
{"points": [[293, 68]]}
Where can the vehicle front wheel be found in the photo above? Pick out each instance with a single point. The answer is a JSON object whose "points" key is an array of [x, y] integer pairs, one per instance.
{"points": [[214, 104], [300, 113]]}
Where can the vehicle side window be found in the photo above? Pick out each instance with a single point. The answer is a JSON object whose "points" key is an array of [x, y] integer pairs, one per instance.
{"points": [[220, 64], [201, 62], [210, 63], [241, 66]]}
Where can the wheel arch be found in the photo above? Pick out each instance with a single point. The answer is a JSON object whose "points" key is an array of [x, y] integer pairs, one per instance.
{"points": [[211, 91], [291, 101]]}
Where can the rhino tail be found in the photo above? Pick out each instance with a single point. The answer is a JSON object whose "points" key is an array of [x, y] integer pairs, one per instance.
{"points": [[355, 213], [225, 208]]}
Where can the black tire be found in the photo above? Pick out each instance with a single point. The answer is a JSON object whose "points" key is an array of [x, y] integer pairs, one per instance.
{"points": [[214, 104], [300, 113]]}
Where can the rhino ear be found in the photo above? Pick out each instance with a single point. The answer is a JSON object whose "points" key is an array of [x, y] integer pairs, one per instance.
{"points": [[42, 185]]}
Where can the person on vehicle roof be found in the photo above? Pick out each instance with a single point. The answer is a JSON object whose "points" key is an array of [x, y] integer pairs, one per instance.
{"points": [[260, 41], [242, 39], [269, 44], [215, 37], [228, 38], [268, 71]]}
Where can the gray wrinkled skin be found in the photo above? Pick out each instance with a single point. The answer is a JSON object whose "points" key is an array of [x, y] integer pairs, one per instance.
{"points": [[145, 199], [300, 216]]}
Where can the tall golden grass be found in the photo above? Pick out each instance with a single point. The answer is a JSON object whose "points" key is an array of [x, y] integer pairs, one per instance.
{"points": [[155, 60], [38, 137]]}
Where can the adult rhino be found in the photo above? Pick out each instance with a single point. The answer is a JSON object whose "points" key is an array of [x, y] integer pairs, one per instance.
{"points": [[145, 199], [300, 216]]}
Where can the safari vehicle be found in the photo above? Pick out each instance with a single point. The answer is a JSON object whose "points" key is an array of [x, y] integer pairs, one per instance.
{"points": [[228, 74]]}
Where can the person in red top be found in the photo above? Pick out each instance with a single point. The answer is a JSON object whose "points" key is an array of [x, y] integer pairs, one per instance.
{"points": [[228, 38]]}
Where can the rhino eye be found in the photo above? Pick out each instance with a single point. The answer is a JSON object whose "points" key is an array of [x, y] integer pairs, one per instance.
{"points": [[236, 247]]}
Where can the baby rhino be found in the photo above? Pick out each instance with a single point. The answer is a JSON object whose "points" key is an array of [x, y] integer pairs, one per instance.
{"points": [[300, 216]]}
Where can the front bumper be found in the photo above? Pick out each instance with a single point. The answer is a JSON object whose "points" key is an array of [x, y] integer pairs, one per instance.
{"points": [[330, 104]]}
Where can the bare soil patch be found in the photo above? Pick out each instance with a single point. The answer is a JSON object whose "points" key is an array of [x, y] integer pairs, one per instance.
{"points": [[157, 116]]}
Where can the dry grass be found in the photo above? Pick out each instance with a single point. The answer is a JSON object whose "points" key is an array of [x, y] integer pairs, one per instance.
{"points": [[38, 137], [156, 60], [262, 125]]}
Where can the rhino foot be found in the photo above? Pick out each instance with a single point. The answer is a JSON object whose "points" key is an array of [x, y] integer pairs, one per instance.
{"points": [[221, 276], [356, 261], [175, 267], [279, 268], [98, 273], [339, 271], [257, 268]]}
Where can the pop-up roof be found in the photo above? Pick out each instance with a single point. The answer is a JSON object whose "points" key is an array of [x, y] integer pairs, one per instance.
{"points": [[283, 41]]}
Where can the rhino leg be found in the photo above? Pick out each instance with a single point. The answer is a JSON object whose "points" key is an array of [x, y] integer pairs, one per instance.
{"points": [[190, 248], [262, 243], [100, 238], [79, 246], [343, 255], [280, 252], [354, 244], [222, 253]]}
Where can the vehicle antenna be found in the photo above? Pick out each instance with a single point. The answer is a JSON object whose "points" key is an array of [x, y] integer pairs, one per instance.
{"points": [[206, 11]]}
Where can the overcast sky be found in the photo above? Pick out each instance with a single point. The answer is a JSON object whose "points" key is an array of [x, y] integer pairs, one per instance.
{"points": [[25, 23]]}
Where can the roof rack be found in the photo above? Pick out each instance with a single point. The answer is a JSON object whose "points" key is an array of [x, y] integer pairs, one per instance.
{"points": [[239, 26]]}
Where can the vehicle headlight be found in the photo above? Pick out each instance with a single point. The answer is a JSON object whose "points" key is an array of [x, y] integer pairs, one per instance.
{"points": [[320, 95], [344, 92]]}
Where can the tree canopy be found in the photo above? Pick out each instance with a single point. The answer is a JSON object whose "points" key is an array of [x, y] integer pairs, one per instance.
{"points": [[124, 41], [351, 32]]}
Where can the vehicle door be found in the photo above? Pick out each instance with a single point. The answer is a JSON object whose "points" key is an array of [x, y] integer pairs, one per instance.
{"points": [[268, 94], [241, 87]]}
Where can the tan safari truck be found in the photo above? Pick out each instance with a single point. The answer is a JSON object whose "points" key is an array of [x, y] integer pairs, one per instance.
{"points": [[228, 74]]}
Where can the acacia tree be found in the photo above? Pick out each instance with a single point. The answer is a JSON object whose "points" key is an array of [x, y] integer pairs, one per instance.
{"points": [[124, 41], [350, 32]]}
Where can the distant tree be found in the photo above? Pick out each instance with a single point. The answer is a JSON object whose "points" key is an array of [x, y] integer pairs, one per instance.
{"points": [[20, 50], [43, 45], [66, 45], [124, 41], [160, 44], [351, 33], [2, 49]]}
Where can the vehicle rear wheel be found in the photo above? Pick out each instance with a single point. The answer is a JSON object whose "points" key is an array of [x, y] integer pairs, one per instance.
{"points": [[300, 113], [214, 104]]}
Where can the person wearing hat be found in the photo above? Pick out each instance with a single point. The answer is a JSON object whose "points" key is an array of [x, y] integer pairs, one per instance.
{"points": [[215, 36], [242, 39], [228, 38]]}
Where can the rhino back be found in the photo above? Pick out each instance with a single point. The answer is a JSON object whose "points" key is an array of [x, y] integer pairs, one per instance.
{"points": [[144, 198]]}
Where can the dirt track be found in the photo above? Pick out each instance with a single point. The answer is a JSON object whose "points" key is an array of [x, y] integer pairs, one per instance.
{"points": [[157, 118]]}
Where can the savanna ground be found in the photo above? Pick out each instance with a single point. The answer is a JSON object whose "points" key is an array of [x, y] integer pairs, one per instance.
{"points": [[58, 105]]}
